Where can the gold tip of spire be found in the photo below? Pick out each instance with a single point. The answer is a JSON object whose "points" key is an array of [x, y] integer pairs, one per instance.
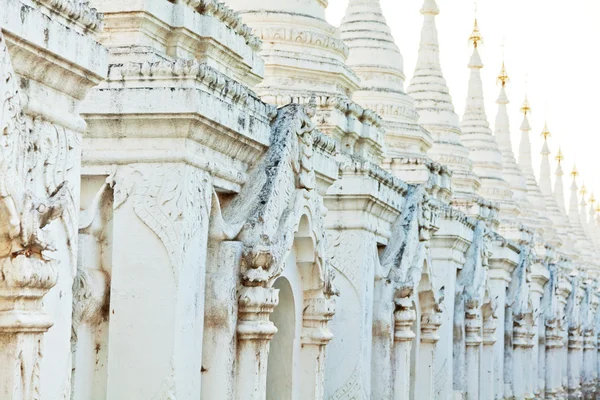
{"points": [[526, 108], [592, 198], [574, 173], [475, 37], [559, 156], [583, 190], [503, 76], [546, 132]]}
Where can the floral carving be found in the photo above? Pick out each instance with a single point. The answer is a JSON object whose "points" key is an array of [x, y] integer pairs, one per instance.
{"points": [[170, 199]]}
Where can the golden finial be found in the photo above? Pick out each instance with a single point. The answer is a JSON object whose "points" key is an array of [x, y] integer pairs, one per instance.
{"points": [[592, 198], [574, 173], [583, 190], [503, 76], [546, 133], [526, 108], [559, 156], [475, 37]]}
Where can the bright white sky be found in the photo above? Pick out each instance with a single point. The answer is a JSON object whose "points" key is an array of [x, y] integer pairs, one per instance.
{"points": [[553, 42]]}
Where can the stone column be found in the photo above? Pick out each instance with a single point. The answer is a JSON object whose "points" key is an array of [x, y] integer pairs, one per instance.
{"points": [[531, 363], [220, 319], [501, 269], [539, 278], [521, 346], [448, 247], [254, 331], [26, 280], [315, 336], [405, 316], [554, 346], [473, 342], [574, 363], [589, 364], [158, 280], [430, 324], [487, 360], [564, 363]]}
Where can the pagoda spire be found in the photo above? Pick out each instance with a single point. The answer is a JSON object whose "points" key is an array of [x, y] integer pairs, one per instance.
{"points": [[511, 171], [582, 208], [436, 111], [574, 202], [525, 146], [376, 60], [559, 191], [545, 181], [592, 219], [477, 136]]}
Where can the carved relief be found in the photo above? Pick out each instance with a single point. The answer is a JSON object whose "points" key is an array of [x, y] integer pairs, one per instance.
{"points": [[27, 270], [170, 199]]}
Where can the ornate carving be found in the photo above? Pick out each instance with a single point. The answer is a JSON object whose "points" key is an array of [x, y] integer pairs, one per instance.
{"points": [[77, 11], [162, 195], [192, 69], [267, 211], [229, 17], [304, 37]]}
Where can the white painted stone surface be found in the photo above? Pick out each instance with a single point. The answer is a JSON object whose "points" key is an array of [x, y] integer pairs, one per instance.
{"points": [[227, 249]]}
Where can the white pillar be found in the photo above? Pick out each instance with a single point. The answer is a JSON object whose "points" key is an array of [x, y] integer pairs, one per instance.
{"points": [[521, 346], [554, 346], [158, 281], [405, 316], [254, 332], [589, 364], [430, 324], [499, 278], [574, 363], [473, 342], [315, 336], [488, 380]]}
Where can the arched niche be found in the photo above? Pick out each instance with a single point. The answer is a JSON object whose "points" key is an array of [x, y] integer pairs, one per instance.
{"points": [[301, 282], [280, 367]]}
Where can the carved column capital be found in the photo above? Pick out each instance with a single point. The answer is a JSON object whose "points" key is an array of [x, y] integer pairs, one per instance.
{"points": [[317, 314], [256, 303], [521, 336], [405, 316], [430, 325], [489, 331], [473, 324], [575, 339]]}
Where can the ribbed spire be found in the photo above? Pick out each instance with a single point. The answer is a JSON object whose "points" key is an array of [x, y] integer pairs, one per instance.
{"points": [[434, 104], [375, 58], [545, 181], [511, 171], [477, 136], [574, 202], [525, 146], [559, 191], [592, 220], [582, 209], [534, 193]]}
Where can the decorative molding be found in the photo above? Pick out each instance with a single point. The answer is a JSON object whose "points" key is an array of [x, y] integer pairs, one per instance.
{"points": [[192, 69], [77, 11], [229, 17]]}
